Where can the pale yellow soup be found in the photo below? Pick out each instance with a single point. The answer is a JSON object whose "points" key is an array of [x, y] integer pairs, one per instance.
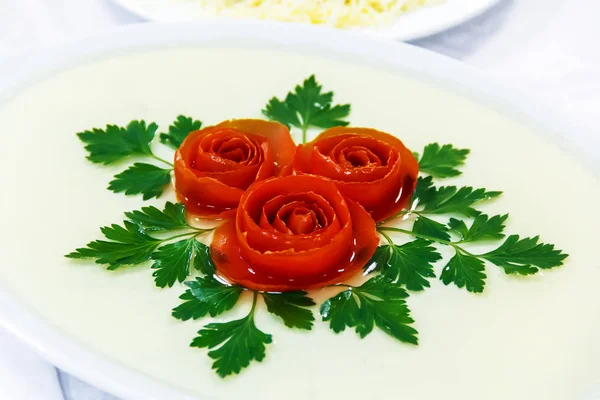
{"points": [[523, 338]]}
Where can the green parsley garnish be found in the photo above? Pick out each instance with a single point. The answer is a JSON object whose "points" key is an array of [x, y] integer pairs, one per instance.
{"points": [[234, 344], [410, 264], [179, 130], [377, 302], [240, 340], [428, 227], [173, 261], [441, 162], [521, 256], [482, 228], [289, 306], [202, 259], [206, 296], [132, 244], [450, 199], [428, 199], [171, 218], [126, 245], [465, 271], [118, 143], [442, 216], [307, 106], [147, 179], [115, 143], [424, 191]]}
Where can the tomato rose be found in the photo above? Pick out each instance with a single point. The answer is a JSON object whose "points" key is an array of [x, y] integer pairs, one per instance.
{"points": [[291, 233], [215, 165], [370, 167]]}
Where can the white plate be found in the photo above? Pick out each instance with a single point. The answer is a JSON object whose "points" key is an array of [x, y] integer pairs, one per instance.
{"points": [[422, 22], [533, 338]]}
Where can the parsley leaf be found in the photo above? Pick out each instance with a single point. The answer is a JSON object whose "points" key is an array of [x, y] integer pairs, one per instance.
{"points": [[147, 179], [239, 341], [521, 256], [376, 302], [441, 162], [483, 228], [424, 191], [279, 111], [465, 270], [378, 260], [449, 199], [203, 261], [431, 228], [172, 217], [307, 106], [172, 261], [343, 311], [290, 307], [179, 130], [459, 227], [131, 244], [409, 264], [127, 245], [115, 143], [206, 296]]}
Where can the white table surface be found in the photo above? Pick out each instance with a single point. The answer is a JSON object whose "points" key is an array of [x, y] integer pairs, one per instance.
{"points": [[550, 53]]}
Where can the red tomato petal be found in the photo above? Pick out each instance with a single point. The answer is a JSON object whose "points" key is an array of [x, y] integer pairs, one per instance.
{"points": [[285, 270], [278, 136], [204, 196], [208, 155], [323, 210], [324, 165], [325, 196], [214, 166], [374, 133], [383, 186], [232, 266], [239, 178]]}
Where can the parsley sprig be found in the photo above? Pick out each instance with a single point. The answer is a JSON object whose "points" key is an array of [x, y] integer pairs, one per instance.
{"points": [[442, 161], [291, 308], [141, 178], [134, 242], [115, 143], [307, 106], [206, 296], [143, 238], [430, 200], [235, 344], [179, 130], [516, 256], [377, 302], [411, 264]]}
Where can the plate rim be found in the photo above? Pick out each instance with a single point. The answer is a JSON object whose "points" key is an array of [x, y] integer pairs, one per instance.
{"points": [[450, 21], [93, 367]]}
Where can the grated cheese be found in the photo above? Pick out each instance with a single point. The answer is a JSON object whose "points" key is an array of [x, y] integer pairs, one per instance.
{"points": [[336, 13]]}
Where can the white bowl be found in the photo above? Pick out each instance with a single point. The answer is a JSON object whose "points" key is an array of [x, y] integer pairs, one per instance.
{"points": [[58, 307]]}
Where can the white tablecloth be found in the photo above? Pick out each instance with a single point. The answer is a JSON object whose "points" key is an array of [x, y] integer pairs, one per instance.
{"points": [[547, 48]]}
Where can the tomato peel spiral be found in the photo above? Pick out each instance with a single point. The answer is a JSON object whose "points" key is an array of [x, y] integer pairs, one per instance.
{"points": [[370, 167], [292, 233], [214, 166]]}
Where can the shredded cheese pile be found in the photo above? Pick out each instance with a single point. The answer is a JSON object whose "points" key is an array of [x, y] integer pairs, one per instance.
{"points": [[336, 13]]}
